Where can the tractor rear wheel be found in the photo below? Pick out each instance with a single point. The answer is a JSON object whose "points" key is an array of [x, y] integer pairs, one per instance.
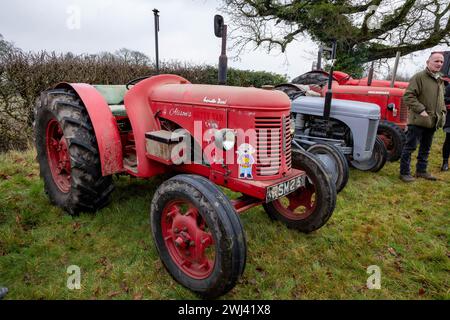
{"points": [[334, 161], [198, 235], [376, 161], [309, 207], [393, 138], [68, 155]]}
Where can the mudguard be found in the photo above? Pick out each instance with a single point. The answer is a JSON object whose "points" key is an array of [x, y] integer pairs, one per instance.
{"points": [[137, 104], [105, 126]]}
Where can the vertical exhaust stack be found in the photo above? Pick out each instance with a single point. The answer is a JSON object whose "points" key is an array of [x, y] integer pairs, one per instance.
{"points": [[370, 76], [156, 16], [329, 94], [319, 59], [394, 74], [220, 30]]}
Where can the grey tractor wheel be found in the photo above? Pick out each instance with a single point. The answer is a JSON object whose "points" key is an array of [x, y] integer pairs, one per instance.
{"points": [[198, 235], [309, 207], [376, 161], [334, 161], [68, 155]]}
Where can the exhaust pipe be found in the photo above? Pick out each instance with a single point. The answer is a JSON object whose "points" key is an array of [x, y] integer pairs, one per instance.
{"points": [[156, 16], [329, 93], [370, 76], [220, 30], [394, 74]]}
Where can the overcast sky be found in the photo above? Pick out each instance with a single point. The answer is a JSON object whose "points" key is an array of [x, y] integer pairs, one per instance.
{"points": [[186, 32]]}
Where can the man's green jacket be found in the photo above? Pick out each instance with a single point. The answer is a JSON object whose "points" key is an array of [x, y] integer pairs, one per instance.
{"points": [[425, 92]]}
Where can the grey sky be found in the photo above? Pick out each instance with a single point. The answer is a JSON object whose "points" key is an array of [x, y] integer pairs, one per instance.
{"points": [[107, 25]]}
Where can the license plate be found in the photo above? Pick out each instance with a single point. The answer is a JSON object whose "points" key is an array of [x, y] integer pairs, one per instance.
{"points": [[284, 188]]}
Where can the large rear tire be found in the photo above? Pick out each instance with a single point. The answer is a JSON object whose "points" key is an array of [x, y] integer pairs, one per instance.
{"points": [[198, 235], [309, 207], [393, 138], [68, 154]]}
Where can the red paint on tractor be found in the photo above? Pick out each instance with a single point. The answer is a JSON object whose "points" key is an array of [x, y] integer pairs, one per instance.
{"points": [[221, 96], [105, 126], [382, 96]]}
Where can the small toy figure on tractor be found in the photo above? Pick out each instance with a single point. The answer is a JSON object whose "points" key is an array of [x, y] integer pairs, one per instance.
{"points": [[211, 136]]}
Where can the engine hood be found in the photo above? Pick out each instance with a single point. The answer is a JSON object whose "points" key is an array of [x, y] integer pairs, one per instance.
{"points": [[346, 108], [221, 96]]}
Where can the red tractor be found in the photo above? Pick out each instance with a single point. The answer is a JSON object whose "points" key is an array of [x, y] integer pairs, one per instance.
{"points": [[210, 137], [386, 94]]}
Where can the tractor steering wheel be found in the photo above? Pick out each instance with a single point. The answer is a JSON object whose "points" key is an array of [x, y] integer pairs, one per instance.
{"points": [[134, 81]]}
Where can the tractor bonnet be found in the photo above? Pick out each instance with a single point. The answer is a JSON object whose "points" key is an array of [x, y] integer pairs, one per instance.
{"points": [[221, 96]]}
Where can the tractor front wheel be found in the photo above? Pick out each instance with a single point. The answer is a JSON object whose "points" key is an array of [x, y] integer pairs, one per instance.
{"points": [[198, 235], [376, 161], [334, 161], [68, 155], [309, 207]]}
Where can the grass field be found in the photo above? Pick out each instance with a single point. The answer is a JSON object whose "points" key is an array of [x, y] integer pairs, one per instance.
{"points": [[401, 228]]}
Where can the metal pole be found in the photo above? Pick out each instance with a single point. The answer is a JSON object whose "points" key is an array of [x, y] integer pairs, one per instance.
{"points": [[394, 74], [156, 16]]}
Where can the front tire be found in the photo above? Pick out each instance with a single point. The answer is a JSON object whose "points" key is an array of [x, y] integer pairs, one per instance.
{"points": [[68, 154], [198, 235], [334, 161], [376, 161], [309, 207]]}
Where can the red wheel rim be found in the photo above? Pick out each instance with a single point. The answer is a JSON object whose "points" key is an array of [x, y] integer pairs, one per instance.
{"points": [[387, 140], [299, 204], [187, 238], [58, 156]]}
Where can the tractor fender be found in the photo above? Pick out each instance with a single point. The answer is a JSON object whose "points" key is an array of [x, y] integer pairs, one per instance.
{"points": [[105, 126], [138, 106]]}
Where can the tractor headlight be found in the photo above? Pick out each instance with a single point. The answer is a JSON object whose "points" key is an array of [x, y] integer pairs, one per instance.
{"points": [[225, 138]]}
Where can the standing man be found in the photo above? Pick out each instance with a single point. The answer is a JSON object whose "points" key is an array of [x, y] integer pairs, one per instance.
{"points": [[426, 112]]}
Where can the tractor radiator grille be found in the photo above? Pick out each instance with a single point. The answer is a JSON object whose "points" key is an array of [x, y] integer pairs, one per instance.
{"points": [[273, 140], [403, 111], [288, 143]]}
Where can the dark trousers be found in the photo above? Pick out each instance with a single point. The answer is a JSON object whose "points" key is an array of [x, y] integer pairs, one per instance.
{"points": [[446, 147], [414, 135]]}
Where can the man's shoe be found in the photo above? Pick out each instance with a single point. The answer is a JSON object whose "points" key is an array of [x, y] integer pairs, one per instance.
{"points": [[3, 292], [407, 178], [444, 166], [425, 175]]}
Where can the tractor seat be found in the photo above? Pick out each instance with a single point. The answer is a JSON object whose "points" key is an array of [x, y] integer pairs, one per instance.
{"points": [[118, 110], [114, 94]]}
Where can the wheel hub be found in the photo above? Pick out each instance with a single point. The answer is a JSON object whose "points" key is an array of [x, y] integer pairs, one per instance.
{"points": [[299, 204], [187, 239], [58, 156]]}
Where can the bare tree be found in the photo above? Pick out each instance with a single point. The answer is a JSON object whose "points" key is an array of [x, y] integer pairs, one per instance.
{"points": [[365, 30]]}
